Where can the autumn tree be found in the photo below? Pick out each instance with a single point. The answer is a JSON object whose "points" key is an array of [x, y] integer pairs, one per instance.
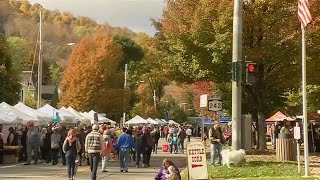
{"points": [[91, 79], [198, 34], [153, 69], [9, 77]]}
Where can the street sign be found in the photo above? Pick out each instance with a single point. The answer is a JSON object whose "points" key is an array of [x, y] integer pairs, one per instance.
{"points": [[297, 133], [214, 96], [197, 162], [204, 100], [215, 105]]}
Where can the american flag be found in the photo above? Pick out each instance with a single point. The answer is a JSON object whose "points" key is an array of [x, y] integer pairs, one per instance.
{"points": [[304, 13]]}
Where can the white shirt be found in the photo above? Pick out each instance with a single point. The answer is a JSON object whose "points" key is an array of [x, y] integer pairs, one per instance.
{"points": [[189, 132]]}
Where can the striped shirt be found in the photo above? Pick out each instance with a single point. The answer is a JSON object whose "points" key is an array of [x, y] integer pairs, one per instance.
{"points": [[94, 142]]}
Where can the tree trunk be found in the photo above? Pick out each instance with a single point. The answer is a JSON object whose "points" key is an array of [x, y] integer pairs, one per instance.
{"points": [[262, 143]]}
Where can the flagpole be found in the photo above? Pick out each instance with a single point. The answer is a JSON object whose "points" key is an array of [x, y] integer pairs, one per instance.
{"points": [[304, 105]]}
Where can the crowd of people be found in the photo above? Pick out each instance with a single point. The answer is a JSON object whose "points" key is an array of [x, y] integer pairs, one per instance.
{"points": [[94, 144]]}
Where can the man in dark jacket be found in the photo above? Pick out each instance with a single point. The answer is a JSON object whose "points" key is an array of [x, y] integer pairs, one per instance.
{"points": [[12, 139], [181, 136], [140, 145], [23, 151], [155, 137], [148, 146], [217, 140]]}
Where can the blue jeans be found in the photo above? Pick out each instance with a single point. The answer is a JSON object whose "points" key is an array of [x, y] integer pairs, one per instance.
{"points": [[94, 159], [124, 157], [70, 160], [216, 148]]}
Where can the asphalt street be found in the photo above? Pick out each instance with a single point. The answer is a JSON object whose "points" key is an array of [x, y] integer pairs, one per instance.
{"points": [[57, 172]]}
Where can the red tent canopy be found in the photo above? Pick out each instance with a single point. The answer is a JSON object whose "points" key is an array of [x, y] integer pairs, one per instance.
{"points": [[279, 116]]}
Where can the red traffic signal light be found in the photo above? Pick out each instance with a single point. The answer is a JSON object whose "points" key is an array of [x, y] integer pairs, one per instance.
{"points": [[251, 73], [251, 68]]}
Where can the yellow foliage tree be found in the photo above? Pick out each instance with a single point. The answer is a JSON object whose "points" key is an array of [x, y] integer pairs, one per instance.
{"points": [[89, 81]]}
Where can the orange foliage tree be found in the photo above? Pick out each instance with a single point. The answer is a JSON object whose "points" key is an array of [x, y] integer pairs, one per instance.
{"points": [[91, 79]]}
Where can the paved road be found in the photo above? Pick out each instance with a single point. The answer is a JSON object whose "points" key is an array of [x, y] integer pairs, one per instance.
{"points": [[48, 171]]}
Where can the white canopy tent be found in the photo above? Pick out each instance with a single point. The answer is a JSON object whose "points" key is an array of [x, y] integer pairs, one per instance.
{"points": [[159, 121], [66, 116], [101, 119], [137, 120], [82, 118], [164, 121], [65, 112], [173, 122], [151, 121], [43, 118], [7, 119], [10, 110]]}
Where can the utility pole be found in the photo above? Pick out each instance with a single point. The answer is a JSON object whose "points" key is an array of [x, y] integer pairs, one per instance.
{"points": [[237, 68], [40, 62], [155, 100], [124, 91]]}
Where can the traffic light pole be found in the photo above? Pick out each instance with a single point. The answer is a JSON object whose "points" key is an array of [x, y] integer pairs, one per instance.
{"points": [[236, 85]]}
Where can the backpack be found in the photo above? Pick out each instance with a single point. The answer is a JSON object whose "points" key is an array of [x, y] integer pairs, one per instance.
{"points": [[174, 140]]}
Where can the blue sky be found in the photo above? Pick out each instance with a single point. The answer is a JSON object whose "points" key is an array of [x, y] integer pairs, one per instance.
{"points": [[134, 14]]}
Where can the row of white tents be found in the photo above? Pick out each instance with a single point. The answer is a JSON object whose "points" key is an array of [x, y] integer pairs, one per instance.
{"points": [[21, 114], [137, 120]]}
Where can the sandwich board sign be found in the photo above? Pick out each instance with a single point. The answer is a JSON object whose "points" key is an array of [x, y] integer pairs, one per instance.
{"points": [[197, 162]]}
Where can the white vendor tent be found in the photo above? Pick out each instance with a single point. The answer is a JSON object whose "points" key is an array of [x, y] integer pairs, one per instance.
{"points": [[6, 108], [164, 121], [137, 120], [82, 118], [172, 122], [159, 121], [7, 119], [43, 118], [66, 116], [151, 121], [66, 113], [101, 119]]}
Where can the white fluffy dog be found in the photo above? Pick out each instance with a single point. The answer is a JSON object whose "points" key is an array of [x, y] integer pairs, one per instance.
{"points": [[234, 157]]}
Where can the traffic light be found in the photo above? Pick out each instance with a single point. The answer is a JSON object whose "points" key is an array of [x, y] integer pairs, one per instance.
{"points": [[251, 73]]}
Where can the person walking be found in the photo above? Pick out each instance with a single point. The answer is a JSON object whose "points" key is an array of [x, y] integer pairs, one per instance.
{"points": [[216, 138], [33, 144], [155, 135], [148, 147], [55, 145], [43, 133], [93, 147], [47, 145], [189, 133], [124, 144], [71, 146], [181, 137], [140, 145], [81, 136], [106, 150]]}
